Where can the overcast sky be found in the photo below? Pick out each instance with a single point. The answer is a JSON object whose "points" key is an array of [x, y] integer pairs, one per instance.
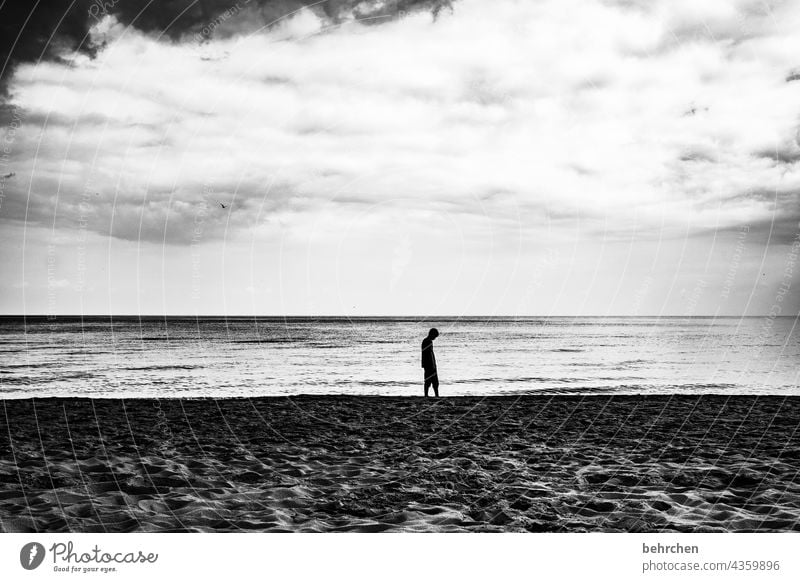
{"points": [[500, 158]]}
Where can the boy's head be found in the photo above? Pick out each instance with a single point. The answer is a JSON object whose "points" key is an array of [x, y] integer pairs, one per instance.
{"points": [[433, 333]]}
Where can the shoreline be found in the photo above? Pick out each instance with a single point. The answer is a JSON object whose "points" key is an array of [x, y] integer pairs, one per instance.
{"points": [[552, 463], [544, 394]]}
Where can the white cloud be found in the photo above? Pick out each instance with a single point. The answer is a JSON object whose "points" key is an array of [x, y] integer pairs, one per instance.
{"points": [[588, 107], [509, 118]]}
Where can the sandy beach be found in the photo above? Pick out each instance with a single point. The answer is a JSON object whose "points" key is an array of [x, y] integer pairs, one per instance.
{"points": [[338, 463]]}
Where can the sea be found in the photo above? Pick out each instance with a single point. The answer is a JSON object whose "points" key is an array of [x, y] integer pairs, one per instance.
{"points": [[164, 357]]}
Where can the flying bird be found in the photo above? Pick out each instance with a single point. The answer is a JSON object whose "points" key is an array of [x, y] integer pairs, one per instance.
{"points": [[9, 175], [221, 204], [693, 110]]}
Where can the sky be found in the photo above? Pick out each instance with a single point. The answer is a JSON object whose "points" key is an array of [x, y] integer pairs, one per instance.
{"points": [[402, 158]]}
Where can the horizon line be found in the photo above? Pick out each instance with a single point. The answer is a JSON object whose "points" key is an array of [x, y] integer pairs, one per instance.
{"points": [[408, 316]]}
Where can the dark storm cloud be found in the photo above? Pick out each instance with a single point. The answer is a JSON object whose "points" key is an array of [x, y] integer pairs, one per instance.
{"points": [[772, 230], [778, 222], [33, 31], [193, 214], [45, 30], [175, 18], [783, 155]]}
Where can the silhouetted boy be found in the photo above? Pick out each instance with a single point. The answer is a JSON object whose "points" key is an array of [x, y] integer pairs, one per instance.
{"points": [[429, 362]]}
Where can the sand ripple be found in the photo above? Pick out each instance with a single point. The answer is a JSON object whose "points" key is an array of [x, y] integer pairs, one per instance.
{"points": [[372, 464]]}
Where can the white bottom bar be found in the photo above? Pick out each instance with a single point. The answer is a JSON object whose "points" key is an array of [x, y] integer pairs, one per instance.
{"points": [[382, 557]]}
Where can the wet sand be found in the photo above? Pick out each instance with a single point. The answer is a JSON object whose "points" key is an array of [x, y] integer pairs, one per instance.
{"points": [[338, 463]]}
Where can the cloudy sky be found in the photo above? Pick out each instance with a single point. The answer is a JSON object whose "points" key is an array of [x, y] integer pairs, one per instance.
{"points": [[401, 157]]}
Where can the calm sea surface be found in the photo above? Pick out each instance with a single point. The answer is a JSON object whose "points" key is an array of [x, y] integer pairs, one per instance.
{"points": [[129, 356]]}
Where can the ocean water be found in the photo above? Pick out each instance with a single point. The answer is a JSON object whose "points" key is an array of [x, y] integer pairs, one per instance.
{"points": [[216, 357]]}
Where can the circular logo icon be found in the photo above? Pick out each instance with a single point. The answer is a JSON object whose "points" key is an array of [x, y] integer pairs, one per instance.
{"points": [[31, 555]]}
